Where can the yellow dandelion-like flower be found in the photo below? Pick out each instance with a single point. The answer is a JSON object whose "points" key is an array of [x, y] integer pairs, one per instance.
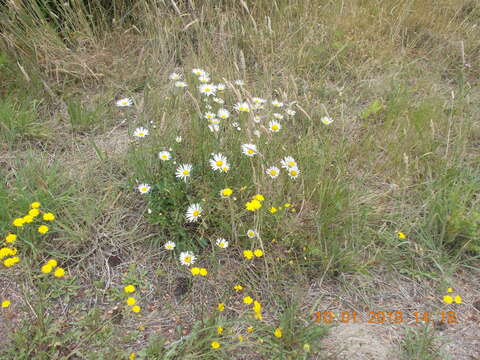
{"points": [[258, 253], [458, 299], [59, 272], [203, 272], [52, 262], [278, 332], [27, 219], [247, 300], [273, 210], [448, 299], [259, 197], [215, 345], [240, 338], [250, 329], [449, 290], [401, 235], [35, 205], [131, 301], [253, 205], [248, 254], [46, 269], [34, 212], [238, 287], [11, 261], [257, 307], [48, 217], [42, 229], [136, 309], [10, 238], [195, 271], [5, 304], [287, 205], [132, 356], [129, 289], [226, 193], [219, 330], [221, 307], [18, 222]]}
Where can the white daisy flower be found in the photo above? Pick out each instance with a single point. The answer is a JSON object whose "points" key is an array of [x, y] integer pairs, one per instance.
{"points": [[144, 188], [290, 112], [174, 76], [278, 116], [199, 72], [288, 162], [187, 258], [218, 100], [239, 82], [274, 126], [218, 162], [257, 119], [293, 172], [223, 114], [273, 172], [209, 115], [124, 102], [194, 211], [222, 243], [207, 89], [221, 87], [251, 233], [149, 211], [183, 171], [326, 120], [204, 79], [180, 84], [164, 155], [214, 127], [225, 168], [242, 107], [249, 149], [140, 132], [276, 103], [169, 245], [257, 100], [178, 139]]}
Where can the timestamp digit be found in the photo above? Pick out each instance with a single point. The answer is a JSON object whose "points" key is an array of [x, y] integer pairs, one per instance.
{"points": [[327, 317], [421, 317], [345, 317], [398, 318]]}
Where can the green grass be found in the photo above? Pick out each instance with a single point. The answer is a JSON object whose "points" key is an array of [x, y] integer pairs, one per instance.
{"points": [[399, 80]]}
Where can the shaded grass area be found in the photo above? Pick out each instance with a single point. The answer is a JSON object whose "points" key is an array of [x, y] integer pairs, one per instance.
{"points": [[400, 80]]}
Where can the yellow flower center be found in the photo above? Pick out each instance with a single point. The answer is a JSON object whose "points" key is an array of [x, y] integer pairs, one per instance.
{"points": [[275, 127], [164, 156], [273, 172], [207, 89], [144, 189], [250, 151], [291, 163], [196, 213], [293, 172], [186, 172], [187, 259], [219, 163]]}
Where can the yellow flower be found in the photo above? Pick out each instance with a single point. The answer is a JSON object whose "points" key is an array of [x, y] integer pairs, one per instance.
{"points": [[449, 290], [34, 212], [215, 345], [221, 307], [28, 219], [52, 262], [273, 210], [59, 272], [225, 193], [248, 254], [258, 253], [129, 289], [253, 205], [278, 332], [132, 356], [35, 205], [48, 217], [195, 271], [18, 222], [240, 338], [136, 309], [11, 238], [401, 235], [258, 197], [247, 300], [5, 304], [219, 330], [238, 287], [258, 316], [42, 229], [306, 348], [11, 261], [47, 268], [448, 299], [257, 307], [287, 205], [250, 329], [131, 301], [458, 299], [203, 272]]}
